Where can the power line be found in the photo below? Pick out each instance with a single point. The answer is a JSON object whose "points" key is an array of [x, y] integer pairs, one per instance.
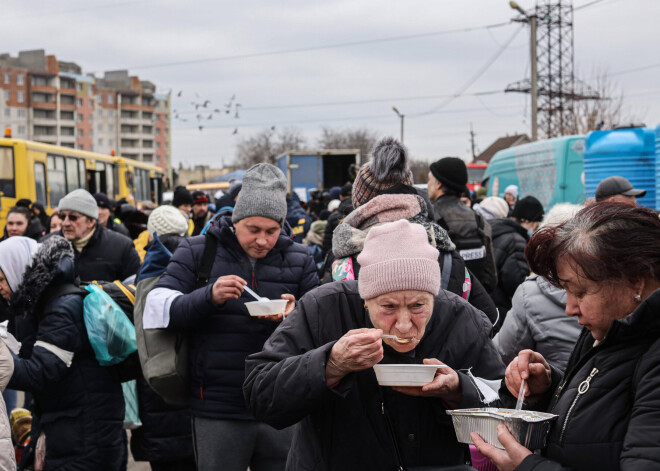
{"points": [[321, 47], [472, 79]]}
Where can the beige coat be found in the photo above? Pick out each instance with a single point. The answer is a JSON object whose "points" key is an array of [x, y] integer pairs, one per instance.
{"points": [[7, 457]]}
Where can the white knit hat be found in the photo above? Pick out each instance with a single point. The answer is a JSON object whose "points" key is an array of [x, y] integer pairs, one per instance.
{"points": [[167, 219]]}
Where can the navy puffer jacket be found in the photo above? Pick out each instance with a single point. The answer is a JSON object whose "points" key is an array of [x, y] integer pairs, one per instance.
{"points": [[222, 337], [80, 407]]}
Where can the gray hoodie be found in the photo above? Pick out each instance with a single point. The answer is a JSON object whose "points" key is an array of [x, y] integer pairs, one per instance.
{"points": [[538, 321]]}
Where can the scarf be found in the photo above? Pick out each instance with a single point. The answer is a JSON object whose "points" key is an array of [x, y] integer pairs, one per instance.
{"points": [[349, 236]]}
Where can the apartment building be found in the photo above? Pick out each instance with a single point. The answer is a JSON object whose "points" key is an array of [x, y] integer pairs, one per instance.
{"points": [[52, 101]]}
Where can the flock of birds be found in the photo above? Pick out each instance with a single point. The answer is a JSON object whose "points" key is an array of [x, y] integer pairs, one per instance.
{"points": [[203, 107]]}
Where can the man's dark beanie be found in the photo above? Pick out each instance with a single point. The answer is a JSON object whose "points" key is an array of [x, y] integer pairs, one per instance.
{"points": [[102, 200], [346, 190], [451, 172], [181, 196], [529, 209]]}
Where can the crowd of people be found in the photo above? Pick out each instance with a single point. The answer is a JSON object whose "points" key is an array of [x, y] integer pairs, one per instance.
{"points": [[495, 291]]}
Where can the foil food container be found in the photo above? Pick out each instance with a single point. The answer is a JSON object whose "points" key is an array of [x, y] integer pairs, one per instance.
{"points": [[528, 427]]}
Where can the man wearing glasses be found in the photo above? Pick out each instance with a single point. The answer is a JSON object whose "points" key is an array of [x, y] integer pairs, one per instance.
{"points": [[100, 254]]}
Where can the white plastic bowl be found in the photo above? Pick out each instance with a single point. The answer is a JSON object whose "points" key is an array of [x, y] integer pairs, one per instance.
{"points": [[405, 375], [271, 307]]}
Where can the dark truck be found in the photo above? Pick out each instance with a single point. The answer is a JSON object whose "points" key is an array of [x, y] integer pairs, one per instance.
{"points": [[318, 169]]}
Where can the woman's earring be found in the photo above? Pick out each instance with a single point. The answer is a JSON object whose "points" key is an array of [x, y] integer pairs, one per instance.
{"points": [[638, 298]]}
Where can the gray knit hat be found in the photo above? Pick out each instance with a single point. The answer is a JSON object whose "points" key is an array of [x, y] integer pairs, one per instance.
{"points": [[81, 201], [263, 194], [167, 219]]}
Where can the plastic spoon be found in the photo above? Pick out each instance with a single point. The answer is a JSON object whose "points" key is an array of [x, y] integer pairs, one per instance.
{"points": [[521, 395], [255, 295], [398, 339]]}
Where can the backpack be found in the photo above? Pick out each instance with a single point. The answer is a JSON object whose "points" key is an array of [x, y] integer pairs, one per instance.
{"points": [[164, 353], [476, 250], [124, 297]]}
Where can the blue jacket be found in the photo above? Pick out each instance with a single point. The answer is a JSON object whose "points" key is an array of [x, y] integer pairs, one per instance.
{"points": [[298, 219], [79, 407], [222, 337], [166, 433]]}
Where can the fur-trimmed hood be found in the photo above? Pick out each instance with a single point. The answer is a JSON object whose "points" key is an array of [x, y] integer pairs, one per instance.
{"points": [[53, 262]]}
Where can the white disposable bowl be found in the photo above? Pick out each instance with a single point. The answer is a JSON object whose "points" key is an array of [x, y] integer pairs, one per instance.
{"points": [[405, 375], [266, 308]]}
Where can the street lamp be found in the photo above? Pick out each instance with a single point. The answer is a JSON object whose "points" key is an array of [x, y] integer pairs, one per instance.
{"points": [[401, 116], [533, 90]]}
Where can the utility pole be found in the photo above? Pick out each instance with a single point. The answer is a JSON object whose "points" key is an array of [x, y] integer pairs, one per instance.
{"points": [[472, 145], [401, 117]]}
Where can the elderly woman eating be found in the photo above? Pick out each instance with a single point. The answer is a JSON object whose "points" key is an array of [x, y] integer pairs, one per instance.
{"points": [[316, 368], [607, 258]]}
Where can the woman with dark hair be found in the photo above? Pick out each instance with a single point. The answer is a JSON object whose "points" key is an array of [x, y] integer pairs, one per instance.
{"points": [[21, 223], [607, 258], [54, 223]]}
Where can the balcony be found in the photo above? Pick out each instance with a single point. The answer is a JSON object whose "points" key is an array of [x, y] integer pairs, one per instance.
{"points": [[67, 139], [46, 138], [66, 123], [44, 121]]}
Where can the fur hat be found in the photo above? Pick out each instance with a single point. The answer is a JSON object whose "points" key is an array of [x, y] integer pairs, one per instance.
{"points": [[80, 201], [333, 205], [167, 220], [181, 196], [529, 209], [263, 194], [451, 172], [397, 256], [388, 166]]}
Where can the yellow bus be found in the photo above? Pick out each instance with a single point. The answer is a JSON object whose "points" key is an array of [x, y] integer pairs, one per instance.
{"points": [[45, 173]]}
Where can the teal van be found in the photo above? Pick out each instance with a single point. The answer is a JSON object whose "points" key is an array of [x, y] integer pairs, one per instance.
{"points": [[551, 170]]}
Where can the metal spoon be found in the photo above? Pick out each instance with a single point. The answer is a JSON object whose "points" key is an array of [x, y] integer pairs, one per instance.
{"points": [[398, 339], [255, 295]]}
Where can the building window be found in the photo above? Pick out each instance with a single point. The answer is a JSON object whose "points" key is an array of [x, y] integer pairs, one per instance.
{"points": [[80, 133], [79, 87], [100, 113], [91, 148], [110, 99], [19, 79], [100, 127], [111, 114], [111, 142], [111, 128], [21, 130], [21, 113], [91, 133], [79, 101], [100, 142], [21, 96], [80, 117], [100, 99], [6, 78], [157, 131], [7, 95], [7, 112]]}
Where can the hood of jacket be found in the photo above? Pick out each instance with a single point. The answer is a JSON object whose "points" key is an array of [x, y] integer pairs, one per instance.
{"points": [[506, 225], [155, 261], [551, 292], [349, 236], [52, 263]]}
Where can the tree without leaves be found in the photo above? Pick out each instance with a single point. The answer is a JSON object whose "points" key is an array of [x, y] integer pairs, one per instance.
{"points": [[361, 138], [606, 113], [267, 145]]}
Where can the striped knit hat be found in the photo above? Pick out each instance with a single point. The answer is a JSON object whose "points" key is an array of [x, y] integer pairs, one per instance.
{"points": [[388, 167]]}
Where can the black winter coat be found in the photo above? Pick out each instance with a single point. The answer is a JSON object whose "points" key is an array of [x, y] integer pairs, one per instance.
{"points": [[80, 407], [509, 241], [615, 423], [118, 227], [343, 428], [108, 256], [344, 209], [222, 337]]}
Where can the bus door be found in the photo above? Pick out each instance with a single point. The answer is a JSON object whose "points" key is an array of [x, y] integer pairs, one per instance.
{"points": [[101, 178], [156, 188]]}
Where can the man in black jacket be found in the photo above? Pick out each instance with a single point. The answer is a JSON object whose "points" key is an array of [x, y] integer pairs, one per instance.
{"points": [[106, 218], [100, 254], [470, 233]]}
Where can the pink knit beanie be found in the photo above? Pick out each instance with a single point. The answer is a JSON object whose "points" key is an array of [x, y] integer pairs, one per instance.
{"points": [[397, 256]]}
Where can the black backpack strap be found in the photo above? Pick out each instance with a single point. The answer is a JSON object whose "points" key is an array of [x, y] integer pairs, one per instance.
{"points": [[208, 257], [446, 270]]}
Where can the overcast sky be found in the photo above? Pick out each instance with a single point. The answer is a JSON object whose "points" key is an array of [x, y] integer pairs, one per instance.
{"points": [[272, 56]]}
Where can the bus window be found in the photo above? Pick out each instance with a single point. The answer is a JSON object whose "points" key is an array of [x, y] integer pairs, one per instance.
{"points": [[157, 190], [110, 180], [40, 183], [82, 172], [146, 186], [56, 178], [72, 176], [7, 186]]}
